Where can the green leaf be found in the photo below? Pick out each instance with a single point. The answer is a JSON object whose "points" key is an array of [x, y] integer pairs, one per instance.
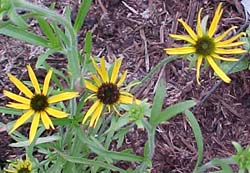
{"points": [[237, 146], [11, 111], [197, 134], [91, 163], [158, 102], [88, 44], [82, 12], [47, 30], [173, 110], [243, 65], [20, 34], [42, 58], [17, 19], [40, 140]]}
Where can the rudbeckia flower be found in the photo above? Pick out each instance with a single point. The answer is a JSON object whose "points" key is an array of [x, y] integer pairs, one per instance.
{"points": [[205, 45], [20, 166], [36, 105], [107, 91]]}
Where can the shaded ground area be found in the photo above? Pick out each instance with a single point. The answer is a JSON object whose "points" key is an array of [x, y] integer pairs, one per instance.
{"points": [[137, 30]]}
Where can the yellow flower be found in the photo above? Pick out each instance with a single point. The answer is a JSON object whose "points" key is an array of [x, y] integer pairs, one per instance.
{"points": [[20, 166], [204, 45], [37, 104], [106, 90]]}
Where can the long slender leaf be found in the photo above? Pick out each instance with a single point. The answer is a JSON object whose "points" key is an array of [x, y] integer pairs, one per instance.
{"points": [[10, 111], [82, 12], [17, 19], [91, 163], [173, 110], [20, 34], [198, 136], [158, 101]]}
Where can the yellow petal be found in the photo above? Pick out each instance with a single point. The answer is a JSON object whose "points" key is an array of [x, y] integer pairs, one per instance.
{"points": [[20, 86], [229, 51], [218, 45], [122, 78], [198, 27], [220, 37], [104, 71], [90, 97], [180, 50], [90, 86], [115, 70], [224, 59], [62, 97], [126, 99], [56, 113], [46, 82], [20, 121], [217, 70], [232, 39], [46, 121], [99, 71], [91, 110], [198, 67], [34, 126], [215, 20], [96, 115], [16, 97], [118, 113], [126, 93], [18, 106], [97, 81], [188, 29], [183, 37], [33, 80]]}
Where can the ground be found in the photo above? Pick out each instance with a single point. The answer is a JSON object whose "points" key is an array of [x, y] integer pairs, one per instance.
{"points": [[137, 31]]}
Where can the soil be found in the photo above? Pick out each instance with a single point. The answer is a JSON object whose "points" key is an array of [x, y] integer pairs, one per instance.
{"points": [[138, 30]]}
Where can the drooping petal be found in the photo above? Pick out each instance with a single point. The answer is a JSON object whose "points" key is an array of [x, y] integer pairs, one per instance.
{"points": [[219, 45], [126, 93], [46, 82], [198, 27], [18, 106], [46, 121], [62, 97], [180, 50], [215, 20], [91, 110], [33, 80], [20, 121], [115, 70], [217, 70], [198, 67], [188, 29], [220, 37], [90, 97], [224, 59], [232, 39], [122, 78], [20, 86], [97, 81], [183, 37], [90, 86], [96, 115], [56, 113], [118, 113], [104, 71], [16, 97], [34, 126], [229, 51]]}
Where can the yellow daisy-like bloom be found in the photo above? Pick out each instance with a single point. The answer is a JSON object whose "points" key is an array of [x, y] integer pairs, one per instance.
{"points": [[20, 166], [106, 90], [204, 45], [37, 104]]}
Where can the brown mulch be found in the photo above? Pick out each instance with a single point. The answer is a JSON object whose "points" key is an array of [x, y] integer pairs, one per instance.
{"points": [[137, 30]]}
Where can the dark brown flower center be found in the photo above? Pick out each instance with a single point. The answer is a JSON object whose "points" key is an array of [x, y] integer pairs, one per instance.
{"points": [[108, 93], [23, 170], [39, 102], [205, 46]]}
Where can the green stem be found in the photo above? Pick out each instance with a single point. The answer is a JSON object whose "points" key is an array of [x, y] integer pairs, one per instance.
{"points": [[154, 69]]}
